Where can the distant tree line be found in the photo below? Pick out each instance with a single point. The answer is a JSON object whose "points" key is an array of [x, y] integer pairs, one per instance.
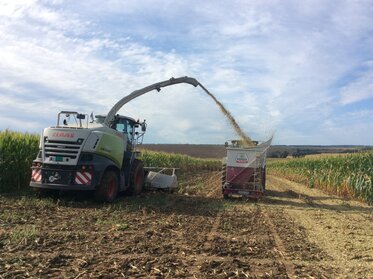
{"points": [[296, 153], [278, 154], [301, 152]]}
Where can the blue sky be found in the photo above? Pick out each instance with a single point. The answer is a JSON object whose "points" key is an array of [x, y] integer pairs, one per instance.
{"points": [[300, 69]]}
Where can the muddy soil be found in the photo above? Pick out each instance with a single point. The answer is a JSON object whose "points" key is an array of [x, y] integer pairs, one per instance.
{"points": [[293, 232]]}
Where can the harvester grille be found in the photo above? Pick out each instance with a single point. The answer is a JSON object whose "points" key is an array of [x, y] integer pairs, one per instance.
{"points": [[61, 151]]}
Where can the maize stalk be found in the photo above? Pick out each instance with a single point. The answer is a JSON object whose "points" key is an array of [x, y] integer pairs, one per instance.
{"points": [[349, 176]]}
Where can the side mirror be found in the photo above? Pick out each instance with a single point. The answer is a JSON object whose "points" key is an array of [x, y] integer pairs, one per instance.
{"points": [[143, 126], [80, 116]]}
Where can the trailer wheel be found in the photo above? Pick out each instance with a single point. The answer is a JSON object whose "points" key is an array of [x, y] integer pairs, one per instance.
{"points": [[107, 190], [137, 176]]}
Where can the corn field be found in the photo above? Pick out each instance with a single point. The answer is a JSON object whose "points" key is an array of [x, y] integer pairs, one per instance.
{"points": [[183, 162], [17, 150], [348, 176]]}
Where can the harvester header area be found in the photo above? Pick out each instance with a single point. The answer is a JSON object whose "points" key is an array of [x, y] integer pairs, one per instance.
{"points": [[244, 169], [161, 178]]}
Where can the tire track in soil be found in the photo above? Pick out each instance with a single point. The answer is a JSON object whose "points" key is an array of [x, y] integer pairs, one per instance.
{"points": [[245, 246], [212, 180], [210, 236], [225, 251], [225, 262], [191, 236], [281, 254], [316, 216], [199, 257], [228, 255], [214, 228]]}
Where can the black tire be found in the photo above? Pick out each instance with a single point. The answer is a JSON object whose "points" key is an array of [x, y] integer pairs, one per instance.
{"points": [[137, 178], [107, 190]]}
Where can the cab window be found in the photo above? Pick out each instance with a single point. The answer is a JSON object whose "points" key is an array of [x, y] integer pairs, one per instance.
{"points": [[121, 126], [130, 131]]}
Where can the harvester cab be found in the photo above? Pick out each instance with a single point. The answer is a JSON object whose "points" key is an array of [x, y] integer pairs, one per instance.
{"points": [[128, 127]]}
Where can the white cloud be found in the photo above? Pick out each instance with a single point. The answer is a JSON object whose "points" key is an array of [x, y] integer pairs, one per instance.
{"points": [[360, 89], [15, 8], [20, 125], [361, 114], [282, 66]]}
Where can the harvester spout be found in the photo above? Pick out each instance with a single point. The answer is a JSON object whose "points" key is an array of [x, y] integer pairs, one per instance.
{"points": [[157, 86], [137, 93]]}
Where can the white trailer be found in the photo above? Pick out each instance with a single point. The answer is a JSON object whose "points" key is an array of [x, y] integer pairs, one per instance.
{"points": [[244, 170]]}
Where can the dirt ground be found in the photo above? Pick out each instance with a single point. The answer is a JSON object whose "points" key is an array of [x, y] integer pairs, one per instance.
{"points": [[293, 232]]}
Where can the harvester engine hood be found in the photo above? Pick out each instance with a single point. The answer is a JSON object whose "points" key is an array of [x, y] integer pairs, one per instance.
{"points": [[63, 145]]}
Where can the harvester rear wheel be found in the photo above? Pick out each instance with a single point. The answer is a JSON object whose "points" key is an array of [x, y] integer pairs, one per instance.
{"points": [[107, 190], [137, 177]]}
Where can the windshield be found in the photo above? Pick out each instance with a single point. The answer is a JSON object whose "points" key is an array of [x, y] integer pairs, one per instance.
{"points": [[72, 119]]}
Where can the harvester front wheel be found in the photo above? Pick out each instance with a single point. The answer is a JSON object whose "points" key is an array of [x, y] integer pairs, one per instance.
{"points": [[137, 177], [107, 190]]}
